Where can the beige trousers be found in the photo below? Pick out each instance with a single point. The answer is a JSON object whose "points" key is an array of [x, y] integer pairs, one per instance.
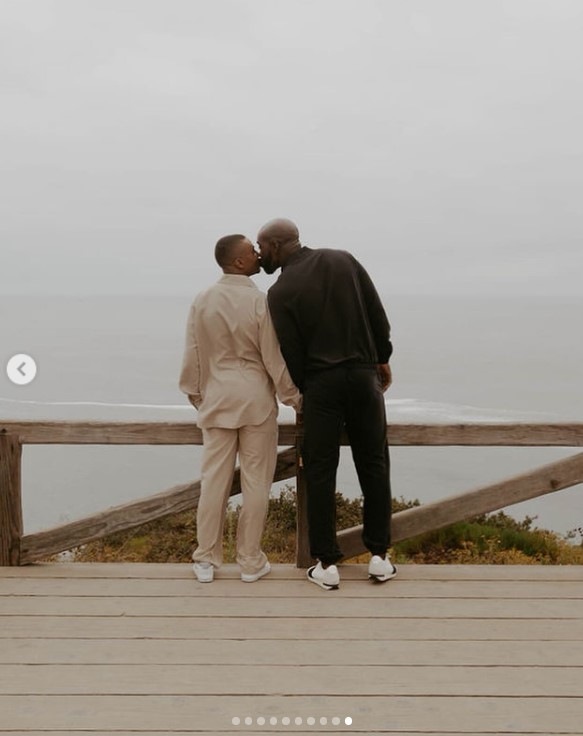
{"points": [[257, 448]]}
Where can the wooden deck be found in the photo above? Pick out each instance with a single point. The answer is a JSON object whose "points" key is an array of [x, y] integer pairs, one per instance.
{"points": [[136, 649]]}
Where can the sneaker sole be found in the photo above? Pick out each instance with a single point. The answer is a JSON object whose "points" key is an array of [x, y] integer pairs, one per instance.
{"points": [[255, 578], [382, 578], [321, 583]]}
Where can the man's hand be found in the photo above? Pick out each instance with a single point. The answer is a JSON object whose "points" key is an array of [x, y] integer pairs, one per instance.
{"points": [[386, 375]]}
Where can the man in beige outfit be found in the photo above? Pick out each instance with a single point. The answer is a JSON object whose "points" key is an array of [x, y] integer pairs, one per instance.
{"points": [[231, 372]]}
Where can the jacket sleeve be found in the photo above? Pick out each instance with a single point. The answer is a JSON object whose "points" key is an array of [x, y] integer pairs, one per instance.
{"points": [[286, 390], [190, 375], [377, 317], [289, 338]]}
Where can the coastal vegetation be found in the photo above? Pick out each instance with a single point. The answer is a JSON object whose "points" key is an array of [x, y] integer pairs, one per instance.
{"points": [[487, 539]]}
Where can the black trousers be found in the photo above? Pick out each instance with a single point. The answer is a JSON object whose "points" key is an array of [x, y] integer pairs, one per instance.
{"points": [[334, 399]]}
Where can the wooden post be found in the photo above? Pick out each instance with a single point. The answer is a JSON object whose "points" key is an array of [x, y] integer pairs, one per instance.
{"points": [[10, 500], [303, 557]]}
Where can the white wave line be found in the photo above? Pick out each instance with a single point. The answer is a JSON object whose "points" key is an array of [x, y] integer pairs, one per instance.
{"points": [[96, 403], [400, 406]]}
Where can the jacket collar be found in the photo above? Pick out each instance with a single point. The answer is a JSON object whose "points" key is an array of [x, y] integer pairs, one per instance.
{"points": [[236, 279], [297, 255]]}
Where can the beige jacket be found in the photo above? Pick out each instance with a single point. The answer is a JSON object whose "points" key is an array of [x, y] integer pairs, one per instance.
{"points": [[233, 365]]}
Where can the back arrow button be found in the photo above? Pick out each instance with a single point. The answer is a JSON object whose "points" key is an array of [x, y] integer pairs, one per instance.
{"points": [[21, 369]]}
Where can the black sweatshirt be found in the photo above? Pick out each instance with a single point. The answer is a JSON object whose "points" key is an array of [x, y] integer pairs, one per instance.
{"points": [[327, 312]]}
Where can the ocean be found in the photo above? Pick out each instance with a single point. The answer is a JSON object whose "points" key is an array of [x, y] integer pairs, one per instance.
{"points": [[455, 359]]}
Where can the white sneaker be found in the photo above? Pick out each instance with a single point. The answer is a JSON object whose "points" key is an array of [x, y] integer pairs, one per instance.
{"points": [[326, 577], [204, 572], [251, 577], [380, 569]]}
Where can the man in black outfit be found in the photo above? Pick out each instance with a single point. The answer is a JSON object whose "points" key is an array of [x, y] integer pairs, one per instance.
{"points": [[335, 338]]}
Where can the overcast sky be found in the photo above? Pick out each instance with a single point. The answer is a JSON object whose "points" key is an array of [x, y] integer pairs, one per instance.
{"points": [[438, 140]]}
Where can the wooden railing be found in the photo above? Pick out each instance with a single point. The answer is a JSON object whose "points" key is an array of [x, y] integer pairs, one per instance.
{"points": [[18, 548]]}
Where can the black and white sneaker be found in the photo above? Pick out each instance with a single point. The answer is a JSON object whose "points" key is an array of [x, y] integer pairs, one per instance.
{"points": [[326, 577], [380, 570]]}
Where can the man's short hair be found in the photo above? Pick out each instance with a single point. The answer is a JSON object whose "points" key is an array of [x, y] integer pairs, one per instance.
{"points": [[225, 249]]}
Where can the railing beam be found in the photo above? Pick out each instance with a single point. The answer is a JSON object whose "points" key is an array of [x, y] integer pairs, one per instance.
{"points": [[486, 434], [430, 516]]}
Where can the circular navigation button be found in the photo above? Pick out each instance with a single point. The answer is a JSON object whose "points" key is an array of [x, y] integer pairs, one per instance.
{"points": [[21, 369]]}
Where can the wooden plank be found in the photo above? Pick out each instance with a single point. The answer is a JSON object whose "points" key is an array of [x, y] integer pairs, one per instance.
{"points": [[412, 673], [65, 432], [267, 732], [290, 628], [430, 516], [232, 590], [183, 571], [486, 434], [130, 515], [298, 651], [10, 500], [233, 680], [382, 714], [557, 434], [404, 671], [306, 607], [490, 434]]}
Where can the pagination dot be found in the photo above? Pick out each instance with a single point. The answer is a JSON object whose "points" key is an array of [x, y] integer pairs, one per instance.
{"points": [[310, 721]]}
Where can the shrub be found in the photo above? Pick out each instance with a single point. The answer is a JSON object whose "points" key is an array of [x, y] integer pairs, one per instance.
{"points": [[486, 539]]}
